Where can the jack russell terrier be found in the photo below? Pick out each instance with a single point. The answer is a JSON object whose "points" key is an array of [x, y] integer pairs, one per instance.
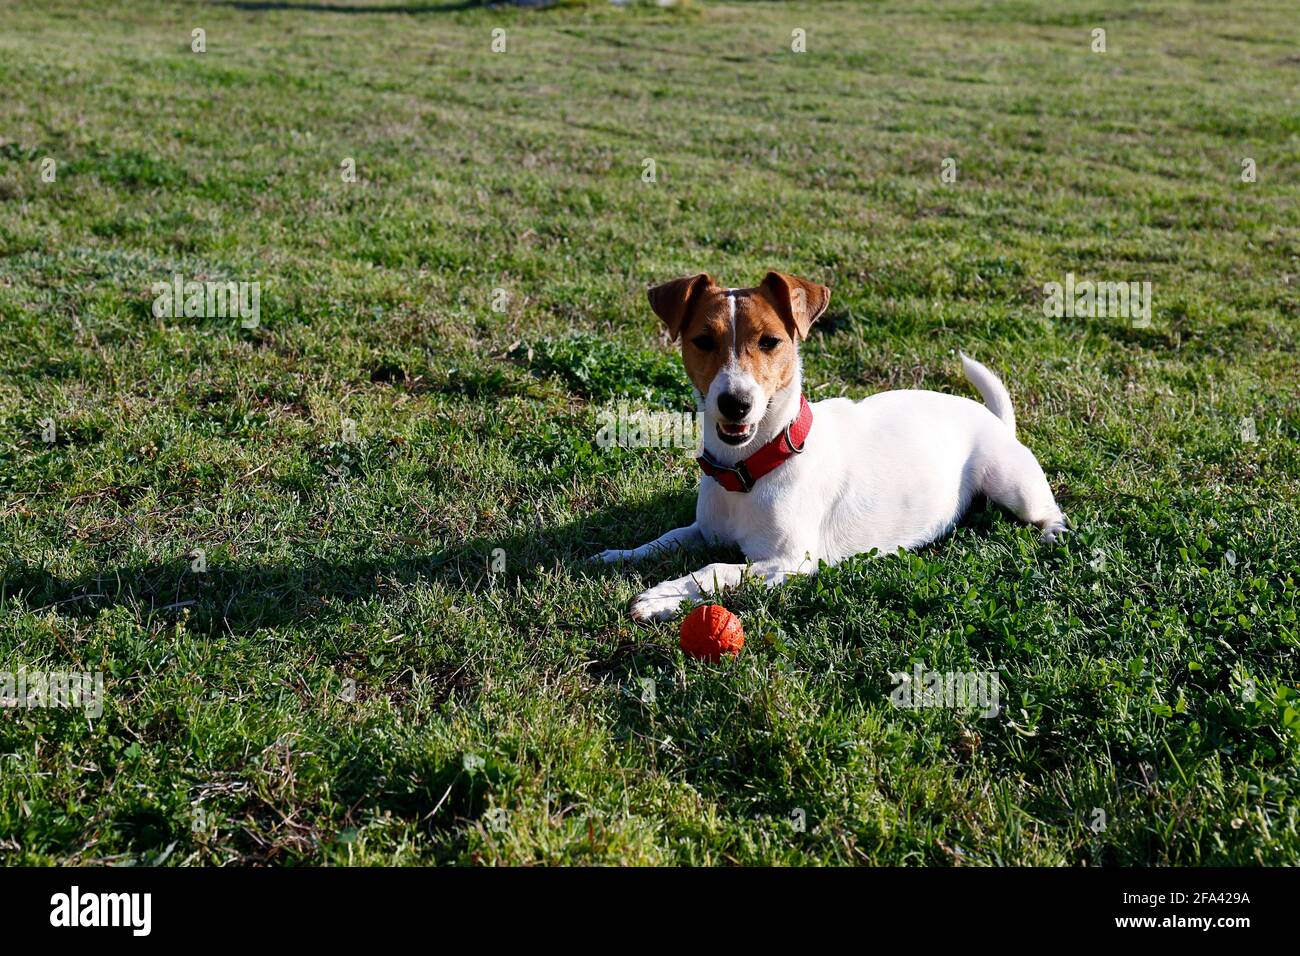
{"points": [[794, 484]]}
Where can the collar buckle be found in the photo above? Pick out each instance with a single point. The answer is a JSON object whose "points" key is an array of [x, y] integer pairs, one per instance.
{"points": [[739, 470]]}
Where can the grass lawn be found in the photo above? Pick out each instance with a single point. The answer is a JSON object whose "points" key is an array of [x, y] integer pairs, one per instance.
{"points": [[395, 652]]}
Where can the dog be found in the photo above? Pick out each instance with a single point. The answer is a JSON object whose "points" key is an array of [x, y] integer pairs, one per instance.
{"points": [[793, 484]]}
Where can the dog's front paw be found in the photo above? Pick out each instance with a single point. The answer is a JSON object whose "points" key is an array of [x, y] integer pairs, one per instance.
{"points": [[657, 604], [1053, 533], [612, 556]]}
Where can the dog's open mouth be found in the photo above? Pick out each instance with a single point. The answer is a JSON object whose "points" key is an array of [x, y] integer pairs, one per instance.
{"points": [[735, 434]]}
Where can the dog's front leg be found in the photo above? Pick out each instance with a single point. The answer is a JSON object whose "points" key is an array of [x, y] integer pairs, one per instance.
{"points": [[688, 537], [662, 601]]}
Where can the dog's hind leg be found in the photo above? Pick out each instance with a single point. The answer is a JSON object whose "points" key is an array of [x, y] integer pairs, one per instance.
{"points": [[1012, 477], [688, 537]]}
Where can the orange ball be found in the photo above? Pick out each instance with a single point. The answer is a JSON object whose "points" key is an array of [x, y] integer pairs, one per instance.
{"points": [[710, 631]]}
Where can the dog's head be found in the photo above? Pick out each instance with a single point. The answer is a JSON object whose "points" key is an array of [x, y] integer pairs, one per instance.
{"points": [[740, 346]]}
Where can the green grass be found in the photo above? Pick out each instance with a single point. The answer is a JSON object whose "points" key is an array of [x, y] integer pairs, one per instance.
{"points": [[348, 682]]}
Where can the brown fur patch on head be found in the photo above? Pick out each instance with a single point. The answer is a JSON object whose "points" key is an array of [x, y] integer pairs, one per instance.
{"points": [[769, 321], [758, 337], [706, 337], [764, 345]]}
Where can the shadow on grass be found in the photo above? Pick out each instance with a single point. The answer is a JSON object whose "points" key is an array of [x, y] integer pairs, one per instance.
{"points": [[239, 599]]}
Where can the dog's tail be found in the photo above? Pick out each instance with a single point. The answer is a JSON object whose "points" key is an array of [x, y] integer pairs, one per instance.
{"points": [[991, 389]]}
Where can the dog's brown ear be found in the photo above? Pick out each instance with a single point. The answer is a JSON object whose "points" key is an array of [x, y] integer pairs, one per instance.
{"points": [[671, 301], [799, 302]]}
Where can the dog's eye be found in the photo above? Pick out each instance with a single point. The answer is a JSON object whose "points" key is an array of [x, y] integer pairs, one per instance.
{"points": [[768, 342], [703, 342]]}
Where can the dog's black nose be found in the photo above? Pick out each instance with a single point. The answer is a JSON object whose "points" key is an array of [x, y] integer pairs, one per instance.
{"points": [[733, 406]]}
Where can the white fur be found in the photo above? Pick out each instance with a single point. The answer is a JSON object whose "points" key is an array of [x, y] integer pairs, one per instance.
{"points": [[894, 470]]}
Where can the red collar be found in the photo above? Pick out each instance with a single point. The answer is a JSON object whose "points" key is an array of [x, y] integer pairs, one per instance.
{"points": [[745, 473]]}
